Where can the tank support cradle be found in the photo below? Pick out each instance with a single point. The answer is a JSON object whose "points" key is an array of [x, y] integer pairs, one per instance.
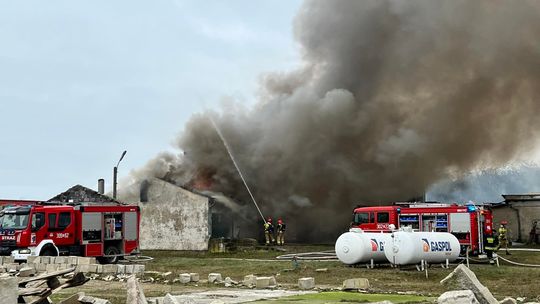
{"points": [[371, 264], [446, 265], [423, 267]]}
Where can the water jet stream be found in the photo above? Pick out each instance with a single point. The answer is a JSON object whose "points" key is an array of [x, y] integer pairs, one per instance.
{"points": [[236, 166]]}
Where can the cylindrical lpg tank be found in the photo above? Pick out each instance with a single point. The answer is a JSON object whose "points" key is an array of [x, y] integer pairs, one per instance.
{"points": [[406, 247], [356, 246]]}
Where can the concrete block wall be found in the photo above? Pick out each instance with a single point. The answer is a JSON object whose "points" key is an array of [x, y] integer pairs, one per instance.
{"points": [[81, 264]]}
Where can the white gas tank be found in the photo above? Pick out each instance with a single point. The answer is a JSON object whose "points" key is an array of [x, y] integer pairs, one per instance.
{"points": [[356, 246], [406, 247]]}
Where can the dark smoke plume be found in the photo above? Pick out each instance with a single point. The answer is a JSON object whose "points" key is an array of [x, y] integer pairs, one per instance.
{"points": [[392, 97]]}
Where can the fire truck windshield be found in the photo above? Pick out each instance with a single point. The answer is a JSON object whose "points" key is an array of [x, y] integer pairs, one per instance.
{"points": [[14, 221], [361, 218]]}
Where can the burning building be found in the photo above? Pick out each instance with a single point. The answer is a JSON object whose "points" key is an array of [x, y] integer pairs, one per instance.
{"points": [[177, 218]]}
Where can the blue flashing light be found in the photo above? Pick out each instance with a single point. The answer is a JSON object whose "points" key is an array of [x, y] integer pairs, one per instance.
{"points": [[471, 208]]}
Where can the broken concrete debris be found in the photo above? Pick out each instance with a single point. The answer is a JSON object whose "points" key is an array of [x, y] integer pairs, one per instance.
{"points": [[135, 294], [50, 264], [355, 284], [250, 280], [508, 300], [457, 297], [466, 279], [8, 290], [214, 278], [266, 282], [37, 289], [306, 283], [185, 278]]}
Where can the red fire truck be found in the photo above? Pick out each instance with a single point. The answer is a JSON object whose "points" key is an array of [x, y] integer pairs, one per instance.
{"points": [[105, 231], [469, 223]]}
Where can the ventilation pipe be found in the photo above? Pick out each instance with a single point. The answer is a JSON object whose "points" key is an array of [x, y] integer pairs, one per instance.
{"points": [[101, 186]]}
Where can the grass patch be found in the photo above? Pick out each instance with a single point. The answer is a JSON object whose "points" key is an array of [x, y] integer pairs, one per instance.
{"points": [[349, 297]]}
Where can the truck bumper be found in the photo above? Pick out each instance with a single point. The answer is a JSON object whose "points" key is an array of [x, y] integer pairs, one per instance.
{"points": [[17, 256]]}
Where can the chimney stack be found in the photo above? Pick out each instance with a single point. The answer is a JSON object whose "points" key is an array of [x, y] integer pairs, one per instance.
{"points": [[101, 186]]}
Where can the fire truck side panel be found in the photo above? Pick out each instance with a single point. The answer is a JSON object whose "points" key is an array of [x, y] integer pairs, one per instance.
{"points": [[118, 229], [91, 233], [92, 250], [131, 231]]}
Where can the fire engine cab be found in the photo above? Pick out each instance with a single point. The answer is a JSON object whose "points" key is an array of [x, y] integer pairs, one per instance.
{"points": [[469, 223], [105, 231]]}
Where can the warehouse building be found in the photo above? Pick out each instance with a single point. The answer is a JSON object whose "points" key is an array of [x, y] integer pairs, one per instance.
{"points": [[521, 211]]}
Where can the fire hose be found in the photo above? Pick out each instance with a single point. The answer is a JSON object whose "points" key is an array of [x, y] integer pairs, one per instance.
{"points": [[510, 261], [137, 259], [313, 256], [520, 264]]}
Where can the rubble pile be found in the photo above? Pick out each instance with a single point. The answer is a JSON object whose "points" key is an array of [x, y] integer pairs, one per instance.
{"points": [[87, 265], [24, 286]]}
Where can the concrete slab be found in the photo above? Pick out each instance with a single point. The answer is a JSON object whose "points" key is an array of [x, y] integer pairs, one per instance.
{"points": [[263, 282], [32, 259], [194, 277], [128, 269], [8, 290], [110, 268], [135, 294], [357, 283], [120, 269], [51, 267], [185, 278], [214, 278], [508, 300], [467, 280], [250, 280], [27, 271], [86, 260], [44, 260], [306, 283], [60, 260], [457, 297], [138, 269]]}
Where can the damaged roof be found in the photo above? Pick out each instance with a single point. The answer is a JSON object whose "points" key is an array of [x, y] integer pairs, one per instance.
{"points": [[80, 194]]}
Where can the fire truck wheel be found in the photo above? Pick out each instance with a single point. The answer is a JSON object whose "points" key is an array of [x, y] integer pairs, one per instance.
{"points": [[111, 250], [48, 251]]}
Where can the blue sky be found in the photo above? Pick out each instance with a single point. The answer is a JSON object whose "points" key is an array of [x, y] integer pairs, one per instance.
{"points": [[81, 81]]}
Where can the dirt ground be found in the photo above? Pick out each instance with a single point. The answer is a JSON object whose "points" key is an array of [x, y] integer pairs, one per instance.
{"points": [[506, 280]]}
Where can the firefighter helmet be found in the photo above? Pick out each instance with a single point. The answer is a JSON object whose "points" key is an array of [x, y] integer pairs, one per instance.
{"points": [[269, 220], [504, 222], [279, 221]]}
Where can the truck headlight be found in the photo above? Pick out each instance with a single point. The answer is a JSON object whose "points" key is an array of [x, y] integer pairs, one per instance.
{"points": [[25, 251]]}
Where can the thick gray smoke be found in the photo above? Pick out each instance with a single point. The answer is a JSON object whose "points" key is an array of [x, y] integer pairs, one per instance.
{"points": [[393, 96]]}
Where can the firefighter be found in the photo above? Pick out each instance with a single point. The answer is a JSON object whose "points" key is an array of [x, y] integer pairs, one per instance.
{"points": [[503, 236], [269, 231], [491, 245], [280, 232], [532, 234]]}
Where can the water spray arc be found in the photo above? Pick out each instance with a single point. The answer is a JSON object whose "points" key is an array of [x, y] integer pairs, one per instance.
{"points": [[237, 168]]}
